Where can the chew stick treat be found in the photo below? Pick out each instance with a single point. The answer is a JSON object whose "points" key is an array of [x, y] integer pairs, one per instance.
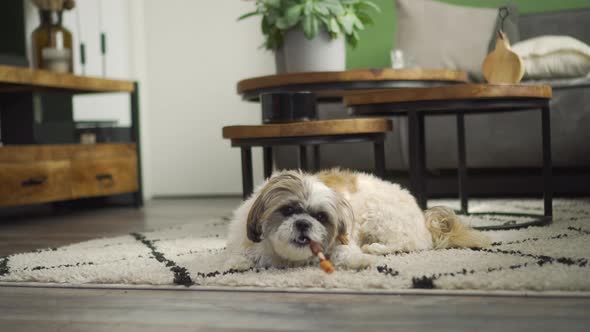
{"points": [[317, 250]]}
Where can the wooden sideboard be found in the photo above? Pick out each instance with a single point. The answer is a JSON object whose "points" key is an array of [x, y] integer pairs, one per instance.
{"points": [[46, 173], [41, 173]]}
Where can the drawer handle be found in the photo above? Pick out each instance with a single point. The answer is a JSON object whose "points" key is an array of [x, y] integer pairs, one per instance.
{"points": [[102, 177], [36, 181], [105, 179]]}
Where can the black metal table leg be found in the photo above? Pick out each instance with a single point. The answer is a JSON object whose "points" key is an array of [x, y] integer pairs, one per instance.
{"points": [[247, 183], [303, 158], [417, 156], [547, 163], [316, 158], [267, 161], [379, 153], [462, 163], [135, 137]]}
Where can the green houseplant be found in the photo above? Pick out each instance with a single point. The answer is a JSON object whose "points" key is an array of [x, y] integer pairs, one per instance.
{"points": [[312, 31]]}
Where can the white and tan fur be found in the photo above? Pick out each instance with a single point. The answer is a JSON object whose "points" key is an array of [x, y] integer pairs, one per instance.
{"points": [[360, 216]]}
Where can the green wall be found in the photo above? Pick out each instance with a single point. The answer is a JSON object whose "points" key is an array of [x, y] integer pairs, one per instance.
{"points": [[377, 40]]}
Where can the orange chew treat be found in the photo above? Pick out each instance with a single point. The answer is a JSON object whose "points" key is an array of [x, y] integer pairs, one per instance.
{"points": [[317, 250], [326, 265]]}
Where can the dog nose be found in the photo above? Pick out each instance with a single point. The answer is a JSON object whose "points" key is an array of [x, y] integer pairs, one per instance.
{"points": [[302, 225]]}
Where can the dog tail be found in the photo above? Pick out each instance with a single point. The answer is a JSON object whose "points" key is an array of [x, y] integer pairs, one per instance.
{"points": [[449, 232]]}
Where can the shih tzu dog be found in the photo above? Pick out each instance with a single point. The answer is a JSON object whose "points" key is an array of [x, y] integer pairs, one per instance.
{"points": [[354, 216]]}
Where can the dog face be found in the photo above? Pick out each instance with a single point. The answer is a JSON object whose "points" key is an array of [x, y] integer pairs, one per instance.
{"points": [[293, 208]]}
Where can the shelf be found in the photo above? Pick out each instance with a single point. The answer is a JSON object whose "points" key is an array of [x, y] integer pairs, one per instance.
{"points": [[20, 79]]}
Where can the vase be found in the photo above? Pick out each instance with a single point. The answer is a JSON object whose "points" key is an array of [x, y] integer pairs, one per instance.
{"points": [[52, 43], [321, 53]]}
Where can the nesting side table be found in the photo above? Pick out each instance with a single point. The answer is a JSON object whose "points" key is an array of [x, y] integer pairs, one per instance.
{"points": [[460, 100]]}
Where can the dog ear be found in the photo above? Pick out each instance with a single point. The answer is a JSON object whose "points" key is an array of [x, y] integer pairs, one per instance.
{"points": [[253, 226], [345, 217]]}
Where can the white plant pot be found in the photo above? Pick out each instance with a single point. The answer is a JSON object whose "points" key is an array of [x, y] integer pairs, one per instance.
{"points": [[300, 54]]}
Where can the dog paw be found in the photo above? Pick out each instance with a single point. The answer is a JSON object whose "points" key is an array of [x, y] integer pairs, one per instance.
{"points": [[379, 249], [351, 257], [238, 262]]}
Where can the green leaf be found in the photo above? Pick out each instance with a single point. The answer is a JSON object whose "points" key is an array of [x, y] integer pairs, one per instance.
{"points": [[321, 8], [369, 4], [271, 17], [310, 26], [293, 14], [248, 15], [308, 7], [272, 3], [351, 41], [347, 22], [365, 18], [282, 23], [315, 26], [265, 26], [349, 2], [325, 22], [334, 27], [334, 6], [274, 39], [357, 23]]}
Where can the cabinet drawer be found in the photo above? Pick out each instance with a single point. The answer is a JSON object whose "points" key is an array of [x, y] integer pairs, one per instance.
{"points": [[38, 153], [104, 177], [39, 182]]}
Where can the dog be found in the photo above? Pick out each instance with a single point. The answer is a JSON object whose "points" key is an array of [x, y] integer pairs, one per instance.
{"points": [[353, 215]]}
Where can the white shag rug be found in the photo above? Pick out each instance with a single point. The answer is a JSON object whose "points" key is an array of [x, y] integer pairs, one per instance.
{"points": [[552, 258]]}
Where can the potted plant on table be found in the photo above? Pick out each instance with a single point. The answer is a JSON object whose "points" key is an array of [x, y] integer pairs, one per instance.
{"points": [[310, 35]]}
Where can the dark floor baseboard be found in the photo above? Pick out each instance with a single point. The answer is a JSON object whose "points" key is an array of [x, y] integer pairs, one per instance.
{"points": [[66, 207]]}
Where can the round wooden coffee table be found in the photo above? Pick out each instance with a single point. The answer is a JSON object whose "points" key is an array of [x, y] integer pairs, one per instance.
{"points": [[333, 86]]}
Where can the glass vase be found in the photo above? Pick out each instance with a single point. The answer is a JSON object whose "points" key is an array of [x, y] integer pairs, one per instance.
{"points": [[52, 44]]}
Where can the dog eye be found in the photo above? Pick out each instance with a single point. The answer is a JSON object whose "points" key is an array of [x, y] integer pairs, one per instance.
{"points": [[287, 210], [321, 217]]}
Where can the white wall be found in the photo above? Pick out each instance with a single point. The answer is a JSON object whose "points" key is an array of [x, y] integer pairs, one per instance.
{"points": [[196, 52]]}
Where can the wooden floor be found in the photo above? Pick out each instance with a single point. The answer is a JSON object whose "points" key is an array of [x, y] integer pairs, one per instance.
{"points": [[26, 309], [44, 226], [55, 309]]}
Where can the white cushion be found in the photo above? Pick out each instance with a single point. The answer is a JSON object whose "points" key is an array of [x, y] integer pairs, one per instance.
{"points": [[554, 57], [440, 35]]}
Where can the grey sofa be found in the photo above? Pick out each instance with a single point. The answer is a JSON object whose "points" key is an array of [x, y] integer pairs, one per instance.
{"points": [[505, 143]]}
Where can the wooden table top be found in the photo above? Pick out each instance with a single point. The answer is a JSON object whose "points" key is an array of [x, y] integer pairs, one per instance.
{"points": [[454, 92], [310, 128], [339, 79], [25, 79]]}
